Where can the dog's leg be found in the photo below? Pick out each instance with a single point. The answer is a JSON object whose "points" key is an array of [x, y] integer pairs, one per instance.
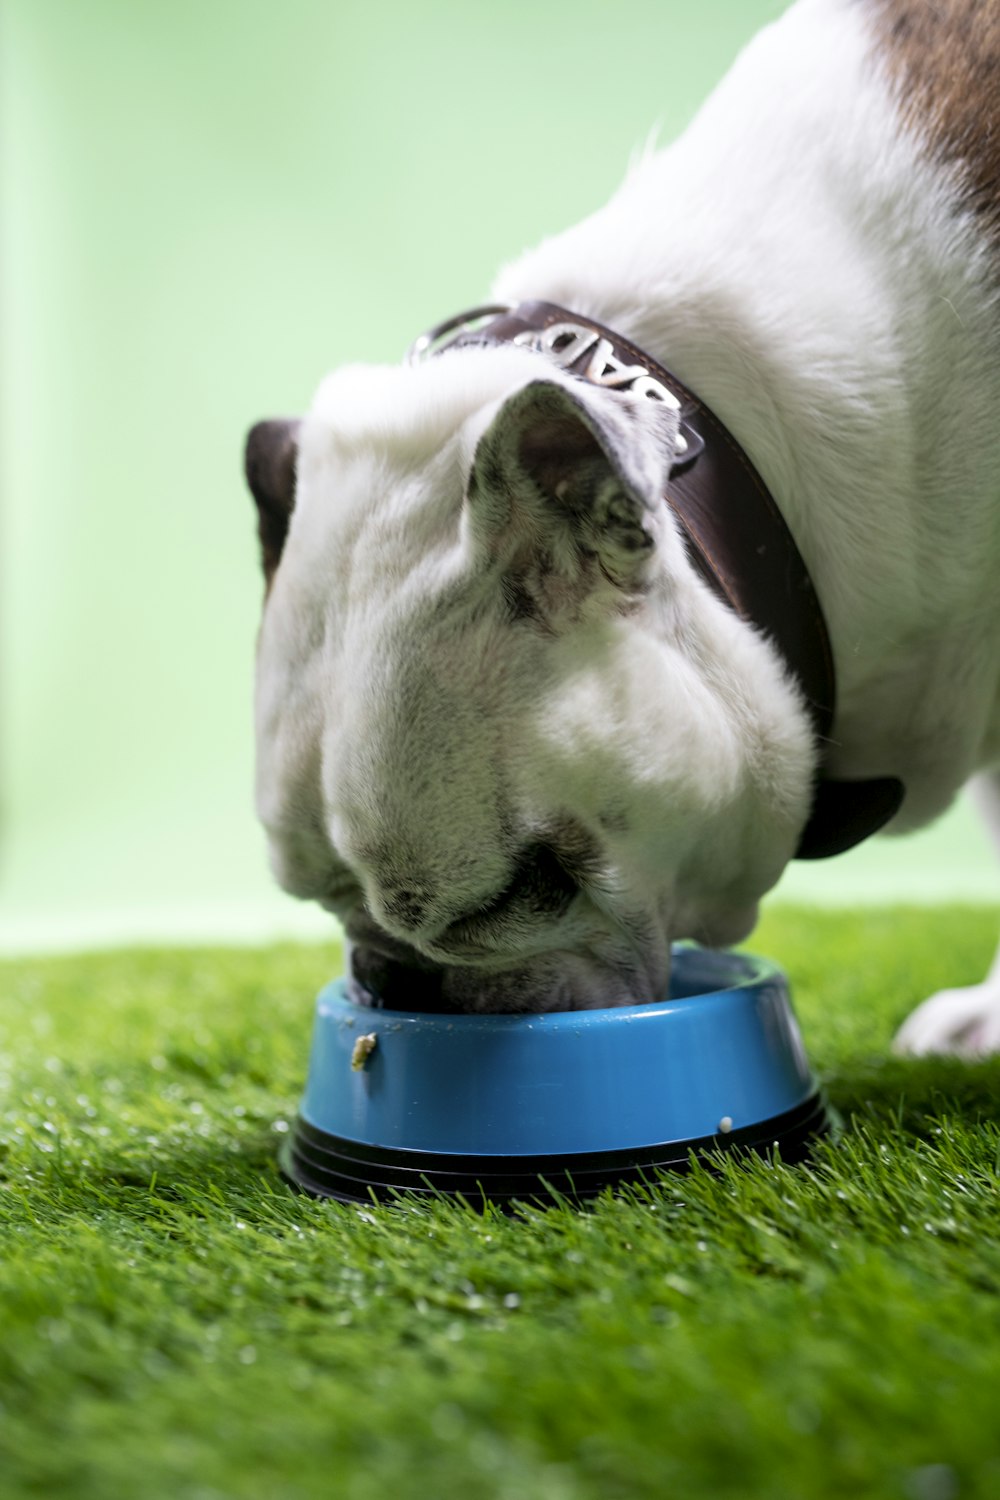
{"points": [[966, 1021]]}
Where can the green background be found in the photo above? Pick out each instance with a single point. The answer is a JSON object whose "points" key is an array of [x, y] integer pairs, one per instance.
{"points": [[206, 205]]}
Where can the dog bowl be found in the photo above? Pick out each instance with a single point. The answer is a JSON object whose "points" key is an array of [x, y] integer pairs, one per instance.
{"points": [[513, 1106]]}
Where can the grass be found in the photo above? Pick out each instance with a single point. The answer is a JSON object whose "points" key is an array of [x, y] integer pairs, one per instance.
{"points": [[175, 1323]]}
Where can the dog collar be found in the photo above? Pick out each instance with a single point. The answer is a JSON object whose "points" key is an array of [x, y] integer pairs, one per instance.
{"points": [[736, 536]]}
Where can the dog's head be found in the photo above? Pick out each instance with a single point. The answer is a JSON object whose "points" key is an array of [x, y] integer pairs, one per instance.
{"points": [[503, 731]]}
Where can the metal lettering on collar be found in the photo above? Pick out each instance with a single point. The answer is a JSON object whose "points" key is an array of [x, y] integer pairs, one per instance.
{"points": [[569, 343]]}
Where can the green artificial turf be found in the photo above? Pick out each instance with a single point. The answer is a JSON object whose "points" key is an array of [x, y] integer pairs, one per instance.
{"points": [[175, 1322]]}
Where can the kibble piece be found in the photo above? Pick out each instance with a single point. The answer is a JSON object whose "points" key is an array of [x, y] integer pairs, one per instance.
{"points": [[363, 1049]]}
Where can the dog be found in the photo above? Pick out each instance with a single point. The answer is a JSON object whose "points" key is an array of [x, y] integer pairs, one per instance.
{"points": [[517, 725]]}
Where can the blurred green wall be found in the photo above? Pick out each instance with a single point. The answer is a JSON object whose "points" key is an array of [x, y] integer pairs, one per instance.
{"points": [[205, 205]]}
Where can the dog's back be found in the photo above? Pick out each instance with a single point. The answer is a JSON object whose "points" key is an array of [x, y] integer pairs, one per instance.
{"points": [[818, 257]]}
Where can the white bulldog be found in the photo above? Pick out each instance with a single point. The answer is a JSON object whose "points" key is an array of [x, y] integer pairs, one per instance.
{"points": [[506, 728]]}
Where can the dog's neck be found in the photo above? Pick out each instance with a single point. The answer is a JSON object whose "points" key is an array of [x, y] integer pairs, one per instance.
{"points": [[737, 538]]}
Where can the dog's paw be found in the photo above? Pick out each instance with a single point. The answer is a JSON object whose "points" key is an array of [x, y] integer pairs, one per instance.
{"points": [[963, 1023]]}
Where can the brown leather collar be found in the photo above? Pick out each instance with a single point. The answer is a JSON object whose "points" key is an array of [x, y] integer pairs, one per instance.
{"points": [[736, 535]]}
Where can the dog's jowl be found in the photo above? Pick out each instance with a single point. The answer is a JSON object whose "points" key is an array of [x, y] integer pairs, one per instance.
{"points": [[675, 561]]}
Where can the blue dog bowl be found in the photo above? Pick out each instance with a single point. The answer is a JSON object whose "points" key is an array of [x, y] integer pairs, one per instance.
{"points": [[513, 1106]]}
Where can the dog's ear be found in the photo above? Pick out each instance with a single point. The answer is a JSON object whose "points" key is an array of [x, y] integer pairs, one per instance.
{"points": [[846, 812], [269, 463], [565, 487]]}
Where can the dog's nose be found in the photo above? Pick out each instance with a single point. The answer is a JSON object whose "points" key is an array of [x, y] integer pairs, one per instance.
{"points": [[406, 907]]}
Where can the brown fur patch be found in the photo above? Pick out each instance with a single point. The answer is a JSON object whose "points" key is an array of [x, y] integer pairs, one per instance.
{"points": [[943, 57]]}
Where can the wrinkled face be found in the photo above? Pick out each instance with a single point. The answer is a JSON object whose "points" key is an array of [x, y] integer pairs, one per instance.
{"points": [[501, 732]]}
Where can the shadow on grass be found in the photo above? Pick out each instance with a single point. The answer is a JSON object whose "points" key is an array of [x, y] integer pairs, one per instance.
{"points": [[914, 1093]]}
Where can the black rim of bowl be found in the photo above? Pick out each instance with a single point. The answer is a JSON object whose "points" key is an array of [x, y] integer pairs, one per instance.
{"points": [[328, 1166]]}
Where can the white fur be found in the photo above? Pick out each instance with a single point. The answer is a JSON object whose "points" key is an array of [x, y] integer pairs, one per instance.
{"points": [[802, 268], [799, 262], [965, 1021]]}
